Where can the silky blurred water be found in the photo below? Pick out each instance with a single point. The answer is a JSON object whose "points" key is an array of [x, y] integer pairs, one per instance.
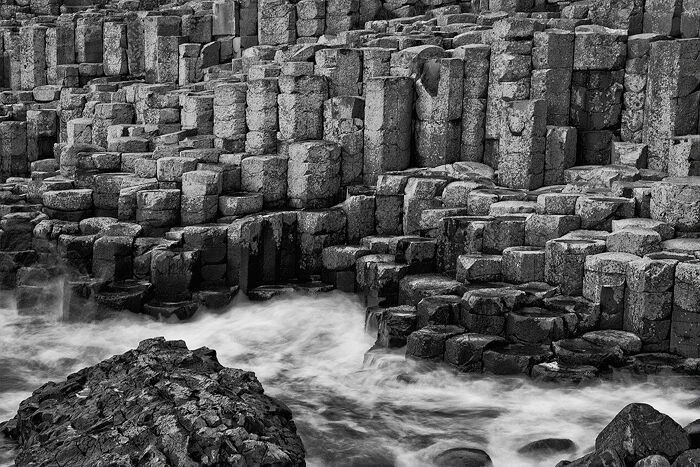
{"points": [[309, 352]]}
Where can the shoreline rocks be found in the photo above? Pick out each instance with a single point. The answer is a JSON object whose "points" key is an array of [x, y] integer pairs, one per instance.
{"points": [[159, 404], [640, 435]]}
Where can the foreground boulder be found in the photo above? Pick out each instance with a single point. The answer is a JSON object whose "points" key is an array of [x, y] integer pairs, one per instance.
{"points": [[642, 436], [160, 404], [639, 430]]}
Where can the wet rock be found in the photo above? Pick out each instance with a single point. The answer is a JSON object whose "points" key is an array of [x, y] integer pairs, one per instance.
{"points": [[653, 461], [395, 325], [547, 447], [438, 309], [465, 351], [268, 292], [693, 430], [429, 342], [639, 430], [604, 458], [628, 342], [535, 325], [515, 359], [158, 404], [689, 458], [654, 363], [582, 352], [412, 289], [463, 457], [554, 372]]}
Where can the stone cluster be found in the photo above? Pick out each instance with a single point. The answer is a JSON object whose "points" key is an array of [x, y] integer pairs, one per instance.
{"points": [[158, 404], [510, 186]]}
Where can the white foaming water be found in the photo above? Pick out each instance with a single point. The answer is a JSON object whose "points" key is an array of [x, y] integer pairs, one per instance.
{"points": [[309, 352]]}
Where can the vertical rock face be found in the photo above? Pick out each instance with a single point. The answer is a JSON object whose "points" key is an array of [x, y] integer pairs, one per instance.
{"points": [[160, 404]]}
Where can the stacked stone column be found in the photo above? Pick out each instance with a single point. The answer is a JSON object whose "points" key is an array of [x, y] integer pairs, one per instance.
{"points": [[343, 68], [604, 282], [685, 320], [115, 59], [200, 196], [276, 22], [343, 123], [388, 113], [135, 42], [32, 56], [230, 115], [161, 48], [671, 107], [89, 38], [474, 93], [311, 18], [197, 112], [596, 94], [522, 145], [437, 130], [634, 97], [60, 50], [649, 301], [552, 60], [313, 176], [509, 76], [13, 150], [12, 66], [261, 116], [341, 15], [300, 103]]}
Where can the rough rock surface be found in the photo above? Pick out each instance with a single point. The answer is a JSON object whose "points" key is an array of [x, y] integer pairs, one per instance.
{"points": [[639, 430], [160, 404]]}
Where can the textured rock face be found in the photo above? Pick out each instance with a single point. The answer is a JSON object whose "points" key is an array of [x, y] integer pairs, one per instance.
{"points": [[639, 431], [160, 404]]}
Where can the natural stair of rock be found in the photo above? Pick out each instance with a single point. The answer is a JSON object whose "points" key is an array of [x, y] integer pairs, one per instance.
{"points": [[533, 163]]}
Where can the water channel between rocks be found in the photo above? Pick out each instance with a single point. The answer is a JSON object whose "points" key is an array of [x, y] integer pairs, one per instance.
{"points": [[309, 351]]}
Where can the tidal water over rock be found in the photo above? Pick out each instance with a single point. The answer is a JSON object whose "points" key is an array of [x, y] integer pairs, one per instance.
{"points": [[309, 352]]}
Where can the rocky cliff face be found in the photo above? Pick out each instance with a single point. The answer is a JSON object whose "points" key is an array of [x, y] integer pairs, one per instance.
{"points": [[160, 404]]}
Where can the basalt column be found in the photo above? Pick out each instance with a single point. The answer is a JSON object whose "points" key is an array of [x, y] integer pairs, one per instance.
{"points": [[634, 98], [261, 116], [230, 115], [671, 107], [388, 112], [32, 56], [439, 91], [475, 59], [596, 91], [161, 52], [522, 145], [552, 60], [509, 77], [343, 123], [276, 22], [300, 103]]}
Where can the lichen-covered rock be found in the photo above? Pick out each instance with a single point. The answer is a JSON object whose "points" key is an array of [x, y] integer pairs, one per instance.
{"points": [[160, 404]]}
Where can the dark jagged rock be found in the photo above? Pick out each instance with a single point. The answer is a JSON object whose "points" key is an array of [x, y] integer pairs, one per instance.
{"points": [[160, 404], [639, 430], [693, 430], [605, 458], [689, 458]]}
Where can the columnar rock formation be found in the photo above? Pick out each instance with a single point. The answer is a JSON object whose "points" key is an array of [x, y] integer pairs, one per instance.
{"points": [[515, 185]]}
